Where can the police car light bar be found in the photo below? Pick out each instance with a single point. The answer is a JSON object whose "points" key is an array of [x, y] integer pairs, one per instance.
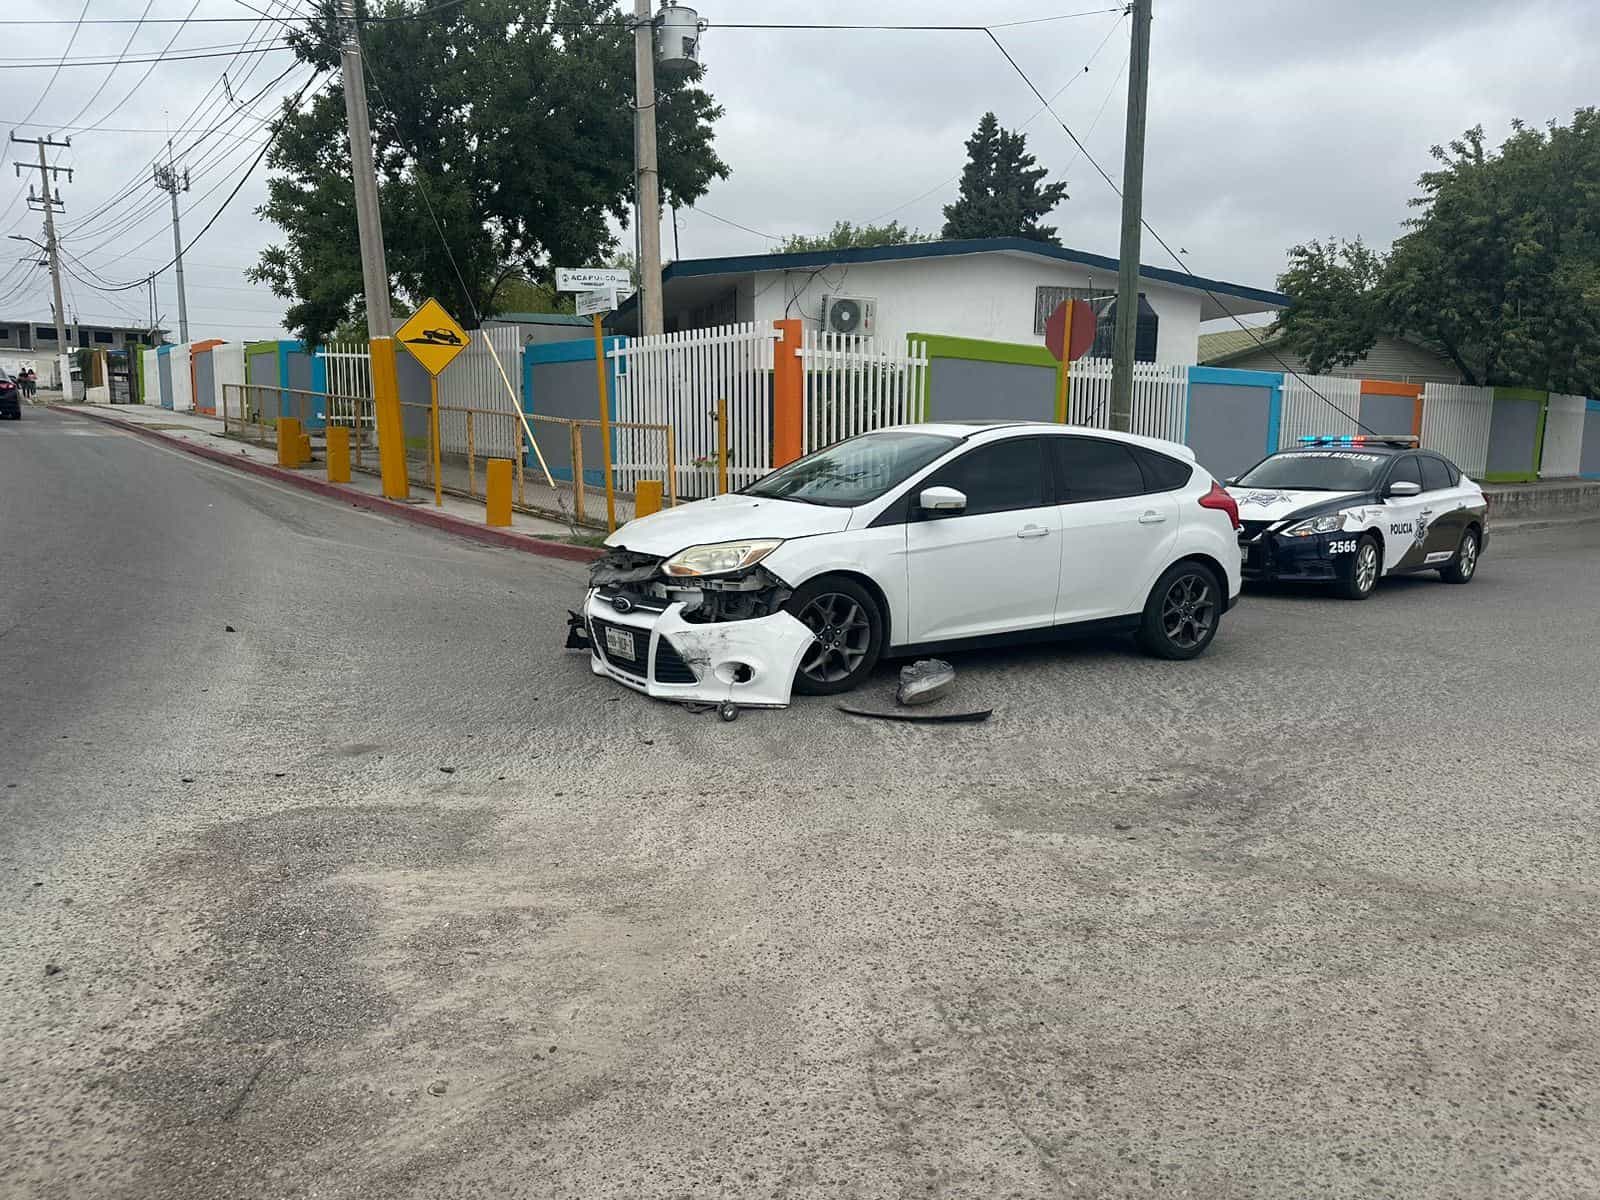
{"points": [[1360, 439]]}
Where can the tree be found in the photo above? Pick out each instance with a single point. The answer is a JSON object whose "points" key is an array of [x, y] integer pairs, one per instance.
{"points": [[1500, 269], [503, 140], [845, 236], [1002, 191], [1335, 317]]}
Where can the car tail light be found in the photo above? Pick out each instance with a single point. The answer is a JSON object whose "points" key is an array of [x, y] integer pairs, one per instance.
{"points": [[1219, 499]]}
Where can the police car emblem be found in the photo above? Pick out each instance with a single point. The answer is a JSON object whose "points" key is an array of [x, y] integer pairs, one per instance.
{"points": [[1421, 531], [1265, 498]]}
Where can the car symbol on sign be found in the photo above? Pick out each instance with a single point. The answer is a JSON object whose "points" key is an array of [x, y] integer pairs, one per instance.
{"points": [[435, 337]]}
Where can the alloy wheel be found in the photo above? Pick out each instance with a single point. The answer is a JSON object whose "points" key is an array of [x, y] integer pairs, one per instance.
{"points": [[1188, 611], [841, 636], [1367, 567], [1469, 556]]}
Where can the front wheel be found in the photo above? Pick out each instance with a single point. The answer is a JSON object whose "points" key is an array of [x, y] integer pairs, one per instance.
{"points": [[847, 634], [1365, 565], [1182, 613], [1464, 565]]}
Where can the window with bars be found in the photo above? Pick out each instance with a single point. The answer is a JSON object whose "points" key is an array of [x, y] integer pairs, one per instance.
{"points": [[1047, 299]]}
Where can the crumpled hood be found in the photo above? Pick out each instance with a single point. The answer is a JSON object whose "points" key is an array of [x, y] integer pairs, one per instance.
{"points": [[1274, 504], [726, 519]]}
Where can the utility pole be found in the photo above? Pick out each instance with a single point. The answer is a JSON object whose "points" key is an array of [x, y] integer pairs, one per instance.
{"points": [[646, 179], [374, 268], [1132, 218], [50, 203], [168, 180]]}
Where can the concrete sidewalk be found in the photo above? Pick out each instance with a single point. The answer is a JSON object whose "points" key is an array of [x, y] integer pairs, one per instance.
{"points": [[202, 435]]}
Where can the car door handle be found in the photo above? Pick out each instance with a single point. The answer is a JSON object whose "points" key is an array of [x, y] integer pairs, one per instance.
{"points": [[1427, 512], [1033, 531], [1151, 518]]}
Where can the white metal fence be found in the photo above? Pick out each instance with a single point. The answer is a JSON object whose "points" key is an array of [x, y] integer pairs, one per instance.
{"points": [[474, 381], [853, 385], [677, 379], [1306, 413], [349, 367], [1563, 436], [1455, 422], [1160, 397]]}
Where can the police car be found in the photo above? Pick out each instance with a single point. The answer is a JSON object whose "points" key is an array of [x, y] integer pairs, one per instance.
{"points": [[1348, 509]]}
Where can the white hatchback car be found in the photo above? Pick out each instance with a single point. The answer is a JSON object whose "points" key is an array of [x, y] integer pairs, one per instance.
{"points": [[910, 540]]}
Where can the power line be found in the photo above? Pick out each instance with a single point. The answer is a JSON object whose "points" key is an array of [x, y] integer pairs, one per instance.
{"points": [[706, 212], [111, 74], [77, 28], [221, 51], [140, 82], [1183, 266]]}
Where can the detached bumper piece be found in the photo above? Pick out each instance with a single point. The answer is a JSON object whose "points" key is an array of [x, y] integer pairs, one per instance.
{"points": [[749, 663]]}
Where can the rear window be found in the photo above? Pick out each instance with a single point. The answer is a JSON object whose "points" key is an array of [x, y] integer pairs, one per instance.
{"points": [[1162, 474], [1435, 475], [1094, 469]]}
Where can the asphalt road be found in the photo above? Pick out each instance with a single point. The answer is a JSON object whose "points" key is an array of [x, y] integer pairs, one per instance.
{"points": [[384, 895]]}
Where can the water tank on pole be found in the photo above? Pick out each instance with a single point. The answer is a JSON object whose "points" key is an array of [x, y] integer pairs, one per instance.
{"points": [[678, 30]]}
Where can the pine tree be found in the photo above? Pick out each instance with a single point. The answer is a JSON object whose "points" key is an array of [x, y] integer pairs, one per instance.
{"points": [[1002, 191]]}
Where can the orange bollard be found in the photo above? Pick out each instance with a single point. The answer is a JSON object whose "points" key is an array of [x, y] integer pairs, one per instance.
{"points": [[288, 442], [338, 454], [497, 489], [647, 497]]}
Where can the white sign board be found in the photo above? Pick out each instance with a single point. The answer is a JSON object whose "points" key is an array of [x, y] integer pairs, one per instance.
{"points": [[590, 303], [591, 279]]}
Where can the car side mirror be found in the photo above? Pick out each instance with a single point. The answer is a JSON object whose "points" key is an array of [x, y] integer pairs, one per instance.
{"points": [[1231, 481], [942, 501], [1405, 487]]}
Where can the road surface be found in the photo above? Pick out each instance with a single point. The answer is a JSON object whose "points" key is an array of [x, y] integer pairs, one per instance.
{"points": [[381, 894]]}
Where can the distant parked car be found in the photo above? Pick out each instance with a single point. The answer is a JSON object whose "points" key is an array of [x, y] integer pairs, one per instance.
{"points": [[1349, 509], [10, 397]]}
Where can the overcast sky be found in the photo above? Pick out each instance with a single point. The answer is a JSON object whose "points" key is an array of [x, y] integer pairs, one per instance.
{"points": [[1269, 123]]}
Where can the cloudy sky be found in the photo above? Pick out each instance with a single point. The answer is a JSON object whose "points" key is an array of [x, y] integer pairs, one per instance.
{"points": [[1270, 123]]}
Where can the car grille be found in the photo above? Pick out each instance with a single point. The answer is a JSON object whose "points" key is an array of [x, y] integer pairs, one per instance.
{"points": [[633, 664], [1252, 529], [669, 665]]}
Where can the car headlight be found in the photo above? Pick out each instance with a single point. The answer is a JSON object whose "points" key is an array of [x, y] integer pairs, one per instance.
{"points": [[1329, 523], [720, 557]]}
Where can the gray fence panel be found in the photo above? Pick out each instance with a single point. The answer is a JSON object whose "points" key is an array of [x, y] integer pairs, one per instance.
{"points": [[205, 382], [965, 389], [1513, 435], [1589, 461], [263, 370], [411, 381], [164, 370], [566, 389], [1388, 414], [1228, 426]]}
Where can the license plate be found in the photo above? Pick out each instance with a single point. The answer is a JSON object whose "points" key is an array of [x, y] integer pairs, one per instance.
{"points": [[619, 642]]}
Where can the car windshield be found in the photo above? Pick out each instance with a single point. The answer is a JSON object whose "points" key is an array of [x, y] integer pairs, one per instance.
{"points": [[855, 471], [1316, 471]]}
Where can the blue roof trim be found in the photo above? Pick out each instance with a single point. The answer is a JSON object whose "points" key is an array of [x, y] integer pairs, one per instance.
{"points": [[739, 264]]}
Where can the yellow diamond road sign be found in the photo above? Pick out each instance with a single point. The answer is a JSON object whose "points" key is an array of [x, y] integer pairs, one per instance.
{"points": [[433, 337]]}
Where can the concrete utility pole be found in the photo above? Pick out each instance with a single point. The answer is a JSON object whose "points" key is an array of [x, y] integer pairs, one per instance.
{"points": [[646, 178], [1132, 218], [168, 180], [50, 203], [374, 267]]}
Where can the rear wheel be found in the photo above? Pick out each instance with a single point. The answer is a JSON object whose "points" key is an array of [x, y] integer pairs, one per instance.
{"points": [[1361, 575], [1464, 565], [847, 634], [1182, 613]]}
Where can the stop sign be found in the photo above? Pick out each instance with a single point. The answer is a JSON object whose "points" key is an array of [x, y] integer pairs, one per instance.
{"points": [[1083, 330]]}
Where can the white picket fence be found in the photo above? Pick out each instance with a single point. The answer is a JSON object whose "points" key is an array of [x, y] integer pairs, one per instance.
{"points": [[1563, 436], [677, 379], [349, 366], [1455, 422], [1318, 404], [1160, 397], [853, 385]]}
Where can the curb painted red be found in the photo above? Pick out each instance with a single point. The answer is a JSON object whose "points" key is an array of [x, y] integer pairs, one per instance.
{"points": [[332, 491]]}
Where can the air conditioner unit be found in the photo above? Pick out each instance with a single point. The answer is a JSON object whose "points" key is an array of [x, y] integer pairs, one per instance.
{"points": [[850, 314]]}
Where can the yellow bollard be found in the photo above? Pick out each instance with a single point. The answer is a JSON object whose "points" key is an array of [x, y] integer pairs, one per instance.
{"points": [[646, 497], [338, 454], [303, 453], [497, 488], [288, 442]]}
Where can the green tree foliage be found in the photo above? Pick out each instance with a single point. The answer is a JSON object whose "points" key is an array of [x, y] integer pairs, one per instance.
{"points": [[1002, 190], [511, 119], [1500, 268], [845, 236], [1335, 316]]}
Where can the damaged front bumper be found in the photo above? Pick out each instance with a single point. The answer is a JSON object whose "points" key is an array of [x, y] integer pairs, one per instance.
{"points": [[654, 650]]}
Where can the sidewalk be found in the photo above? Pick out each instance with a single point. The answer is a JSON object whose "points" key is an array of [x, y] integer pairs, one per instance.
{"points": [[202, 435]]}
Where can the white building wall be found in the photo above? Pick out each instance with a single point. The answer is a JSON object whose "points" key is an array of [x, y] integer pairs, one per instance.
{"points": [[988, 296]]}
